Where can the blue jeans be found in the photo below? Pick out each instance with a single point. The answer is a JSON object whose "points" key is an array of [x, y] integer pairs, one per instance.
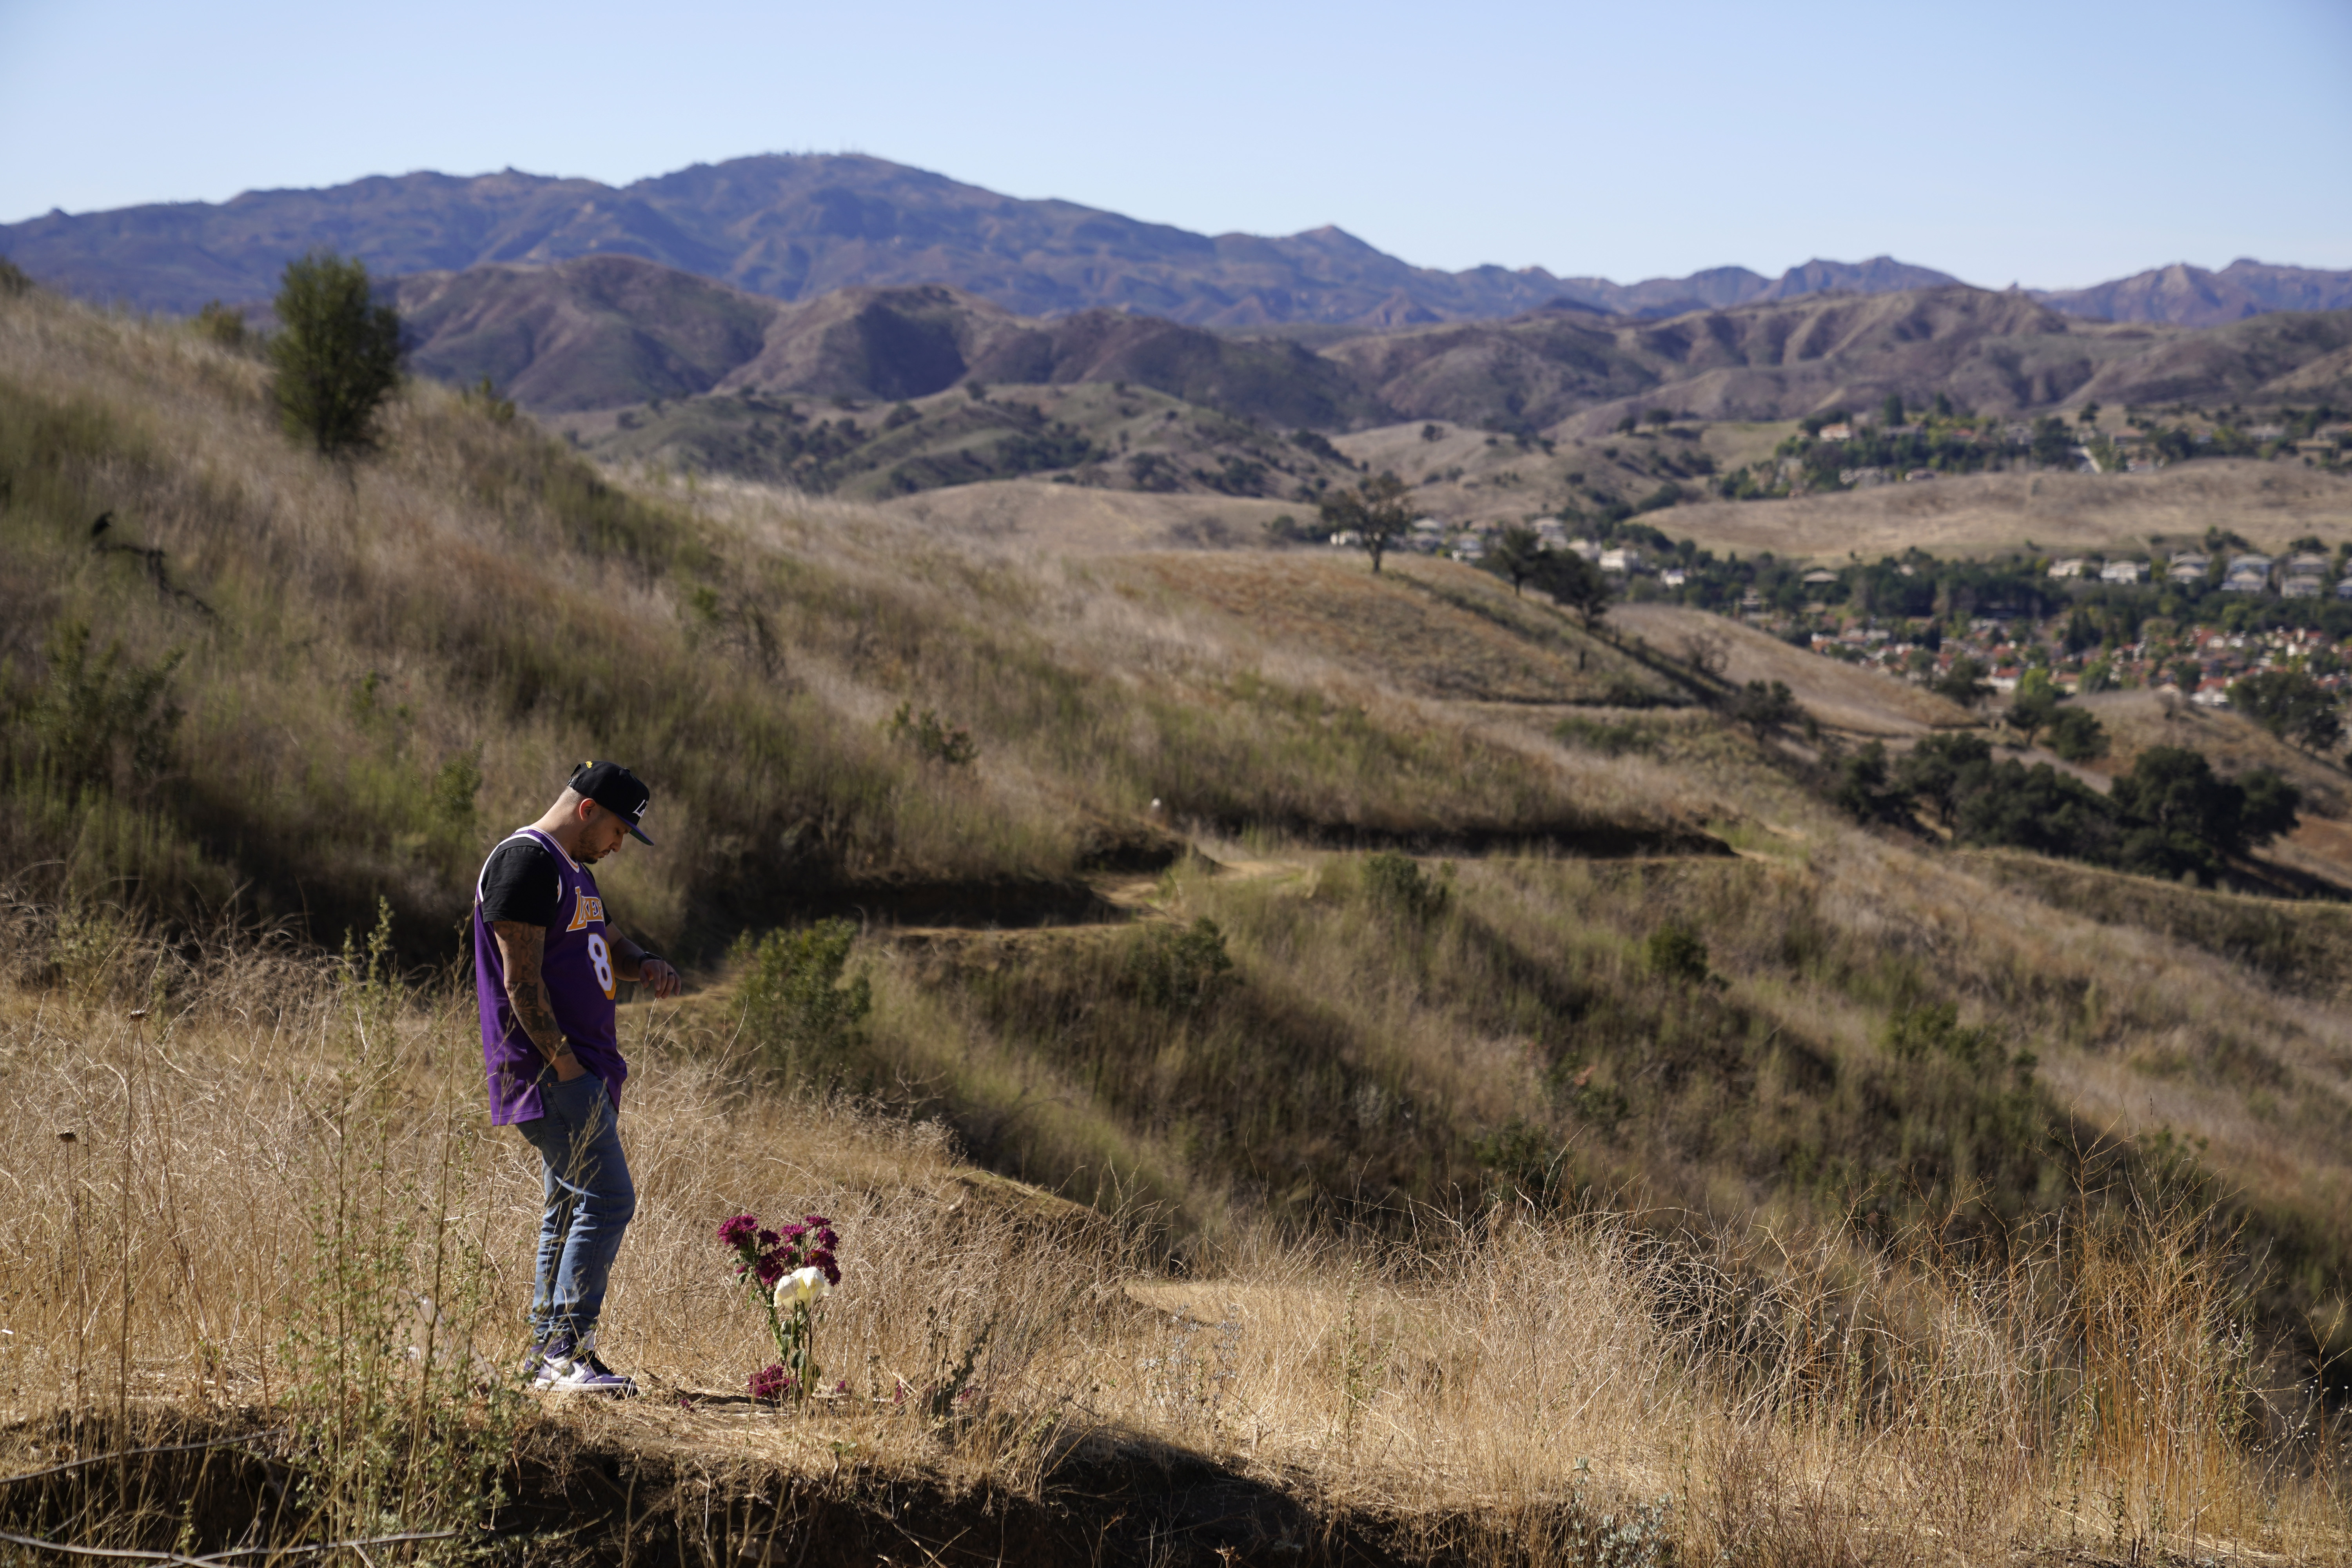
{"points": [[589, 1201]]}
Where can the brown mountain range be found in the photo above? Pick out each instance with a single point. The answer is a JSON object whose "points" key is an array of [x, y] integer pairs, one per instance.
{"points": [[609, 331], [2191, 297]]}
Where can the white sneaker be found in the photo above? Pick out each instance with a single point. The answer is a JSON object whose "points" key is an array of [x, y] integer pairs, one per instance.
{"points": [[563, 1366]]}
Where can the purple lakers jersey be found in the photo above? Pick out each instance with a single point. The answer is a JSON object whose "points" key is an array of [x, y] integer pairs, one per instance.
{"points": [[580, 981]]}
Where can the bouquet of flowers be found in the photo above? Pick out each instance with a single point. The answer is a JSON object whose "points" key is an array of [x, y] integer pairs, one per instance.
{"points": [[787, 1271]]}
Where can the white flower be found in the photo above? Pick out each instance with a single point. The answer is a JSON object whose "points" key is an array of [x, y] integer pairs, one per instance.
{"points": [[800, 1287]]}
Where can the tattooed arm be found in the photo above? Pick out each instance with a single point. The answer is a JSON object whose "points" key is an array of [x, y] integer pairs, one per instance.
{"points": [[634, 962], [522, 946]]}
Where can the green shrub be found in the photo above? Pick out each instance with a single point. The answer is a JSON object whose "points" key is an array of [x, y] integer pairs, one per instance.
{"points": [[1397, 885], [1178, 969], [1913, 1033], [336, 353], [799, 1013], [1676, 952], [103, 722], [2076, 736]]}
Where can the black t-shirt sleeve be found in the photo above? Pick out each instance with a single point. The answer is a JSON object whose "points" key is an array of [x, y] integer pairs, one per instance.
{"points": [[521, 882]]}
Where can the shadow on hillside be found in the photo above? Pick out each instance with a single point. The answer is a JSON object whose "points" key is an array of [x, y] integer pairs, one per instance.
{"points": [[649, 1490]]}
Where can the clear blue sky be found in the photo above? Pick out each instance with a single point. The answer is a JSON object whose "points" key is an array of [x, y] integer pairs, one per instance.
{"points": [[2053, 143]]}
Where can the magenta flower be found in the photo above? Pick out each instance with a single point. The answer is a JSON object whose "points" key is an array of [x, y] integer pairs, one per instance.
{"points": [[768, 1238], [739, 1230], [771, 1383]]}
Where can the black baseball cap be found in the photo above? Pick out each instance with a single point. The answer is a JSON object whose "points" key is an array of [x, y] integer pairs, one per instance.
{"points": [[617, 789]]}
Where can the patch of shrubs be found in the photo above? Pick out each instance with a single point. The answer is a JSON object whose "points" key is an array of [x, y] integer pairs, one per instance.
{"points": [[1676, 952], [2171, 816], [803, 1012], [1397, 885], [1179, 969]]}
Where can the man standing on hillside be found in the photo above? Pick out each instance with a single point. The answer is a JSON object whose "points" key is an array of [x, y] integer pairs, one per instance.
{"points": [[546, 966]]}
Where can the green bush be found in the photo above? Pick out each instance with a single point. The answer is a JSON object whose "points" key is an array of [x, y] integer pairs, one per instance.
{"points": [[1913, 1033], [799, 1013], [103, 722], [1676, 952], [2076, 736], [1397, 885], [336, 353], [1178, 969]]}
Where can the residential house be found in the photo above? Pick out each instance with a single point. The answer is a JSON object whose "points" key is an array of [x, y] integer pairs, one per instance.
{"points": [[2300, 588], [2073, 566], [1622, 558], [2188, 566], [1819, 577], [2123, 571], [2247, 575], [1843, 431]]}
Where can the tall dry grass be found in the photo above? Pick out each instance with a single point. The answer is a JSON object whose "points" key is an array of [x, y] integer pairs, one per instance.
{"points": [[383, 667], [273, 1165]]}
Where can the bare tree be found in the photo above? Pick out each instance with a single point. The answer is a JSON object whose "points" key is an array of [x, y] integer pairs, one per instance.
{"points": [[1707, 651]]}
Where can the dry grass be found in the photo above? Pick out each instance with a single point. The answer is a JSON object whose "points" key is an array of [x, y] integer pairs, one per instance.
{"points": [[1076, 519], [1985, 514], [1842, 696], [280, 1146]]}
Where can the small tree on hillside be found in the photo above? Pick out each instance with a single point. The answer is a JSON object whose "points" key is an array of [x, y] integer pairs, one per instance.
{"points": [[336, 353], [2291, 706], [1964, 683], [1374, 512], [1575, 585], [1517, 553]]}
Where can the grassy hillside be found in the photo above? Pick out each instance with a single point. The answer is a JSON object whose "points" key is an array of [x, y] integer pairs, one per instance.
{"points": [[1319, 923], [370, 667]]}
